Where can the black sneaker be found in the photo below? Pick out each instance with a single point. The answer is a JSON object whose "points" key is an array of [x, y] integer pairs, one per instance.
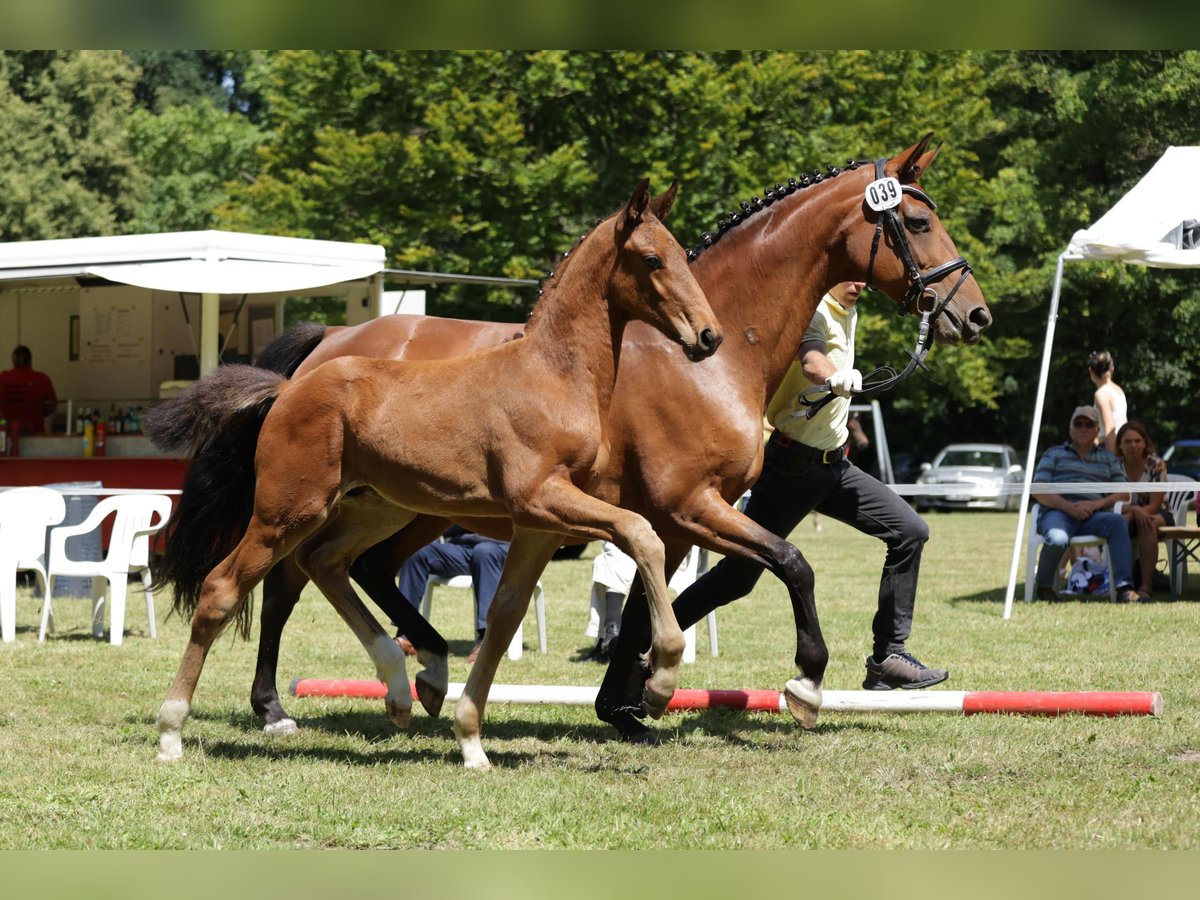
{"points": [[901, 670]]}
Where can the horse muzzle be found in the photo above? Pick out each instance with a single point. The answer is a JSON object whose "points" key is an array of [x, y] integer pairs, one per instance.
{"points": [[705, 345]]}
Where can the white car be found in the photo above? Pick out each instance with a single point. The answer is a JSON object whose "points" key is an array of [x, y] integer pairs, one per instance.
{"points": [[971, 476]]}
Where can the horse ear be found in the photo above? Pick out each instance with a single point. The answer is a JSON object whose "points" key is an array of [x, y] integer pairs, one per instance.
{"points": [[661, 205], [917, 159], [637, 204]]}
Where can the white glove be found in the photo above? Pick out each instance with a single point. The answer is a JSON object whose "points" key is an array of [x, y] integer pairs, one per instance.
{"points": [[845, 383]]}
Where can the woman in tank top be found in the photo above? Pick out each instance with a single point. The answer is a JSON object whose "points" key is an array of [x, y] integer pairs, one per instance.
{"points": [[1109, 398]]}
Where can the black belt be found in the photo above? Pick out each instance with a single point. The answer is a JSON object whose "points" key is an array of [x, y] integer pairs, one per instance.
{"points": [[824, 457]]}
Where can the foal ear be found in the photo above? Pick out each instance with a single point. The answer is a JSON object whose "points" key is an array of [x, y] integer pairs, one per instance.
{"points": [[661, 205], [637, 205], [917, 159]]}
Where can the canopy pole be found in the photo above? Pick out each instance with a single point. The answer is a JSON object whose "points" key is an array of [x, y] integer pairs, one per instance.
{"points": [[1031, 456], [210, 331]]}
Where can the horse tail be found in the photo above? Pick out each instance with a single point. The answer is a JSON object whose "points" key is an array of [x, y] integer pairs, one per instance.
{"points": [[217, 420], [286, 352]]}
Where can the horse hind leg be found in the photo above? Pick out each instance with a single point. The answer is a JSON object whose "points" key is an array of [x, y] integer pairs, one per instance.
{"points": [[224, 592], [326, 558], [281, 593], [375, 571]]}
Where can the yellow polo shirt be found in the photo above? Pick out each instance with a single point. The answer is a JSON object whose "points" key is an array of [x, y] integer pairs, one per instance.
{"points": [[833, 325]]}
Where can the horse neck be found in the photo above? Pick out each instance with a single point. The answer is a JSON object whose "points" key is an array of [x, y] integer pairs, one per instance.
{"points": [[576, 328], [765, 277]]}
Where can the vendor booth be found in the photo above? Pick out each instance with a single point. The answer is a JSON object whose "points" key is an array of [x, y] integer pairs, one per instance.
{"points": [[121, 322]]}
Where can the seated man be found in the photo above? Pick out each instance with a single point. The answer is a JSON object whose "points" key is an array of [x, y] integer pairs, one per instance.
{"points": [[461, 552], [1063, 516]]}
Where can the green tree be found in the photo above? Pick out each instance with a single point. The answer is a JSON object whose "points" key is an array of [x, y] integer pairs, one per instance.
{"points": [[69, 170]]}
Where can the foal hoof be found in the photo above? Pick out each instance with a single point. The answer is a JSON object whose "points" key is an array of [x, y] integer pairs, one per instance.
{"points": [[401, 716], [430, 695], [803, 698], [281, 728], [655, 702]]}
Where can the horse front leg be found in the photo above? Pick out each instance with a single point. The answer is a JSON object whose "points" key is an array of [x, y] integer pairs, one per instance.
{"points": [[749, 547], [527, 557], [560, 506], [281, 593]]}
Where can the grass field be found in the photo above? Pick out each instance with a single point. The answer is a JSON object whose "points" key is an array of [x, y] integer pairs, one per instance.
{"points": [[78, 740]]}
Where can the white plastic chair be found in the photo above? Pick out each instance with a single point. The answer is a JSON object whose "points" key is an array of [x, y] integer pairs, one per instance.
{"points": [[517, 647], [1035, 542], [1182, 542], [25, 514], [128, 553]]}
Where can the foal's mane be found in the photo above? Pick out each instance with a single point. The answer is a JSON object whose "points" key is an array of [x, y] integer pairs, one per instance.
{"points": [[771, 195], [555, 276]]}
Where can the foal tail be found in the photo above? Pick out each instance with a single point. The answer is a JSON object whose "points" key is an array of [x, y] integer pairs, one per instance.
{"points": [[216, 421]]}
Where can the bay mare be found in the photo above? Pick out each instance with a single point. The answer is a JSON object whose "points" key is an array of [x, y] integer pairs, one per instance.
{"points": [[351, 452], [679, 457]]}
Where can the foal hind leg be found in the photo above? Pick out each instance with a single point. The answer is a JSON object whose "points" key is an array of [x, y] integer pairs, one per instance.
{"points": [[375, 571], [224, 592], [281, 593], [326, 558], [528, 555]]}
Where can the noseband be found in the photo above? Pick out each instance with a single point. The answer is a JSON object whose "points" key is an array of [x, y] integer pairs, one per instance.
{"points": [[921, 298]]}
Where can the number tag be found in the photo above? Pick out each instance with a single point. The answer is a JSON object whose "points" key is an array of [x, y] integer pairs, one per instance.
{"points": [[884, 194]]}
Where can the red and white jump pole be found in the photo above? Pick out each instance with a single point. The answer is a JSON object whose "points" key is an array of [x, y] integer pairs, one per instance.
{"points": [[1032, 703]]}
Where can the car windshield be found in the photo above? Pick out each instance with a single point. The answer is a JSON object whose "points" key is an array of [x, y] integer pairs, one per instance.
{"points": [[1185, 453], [983, 459]]}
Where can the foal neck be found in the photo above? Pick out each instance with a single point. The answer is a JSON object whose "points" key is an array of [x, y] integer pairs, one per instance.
{"points": [[576, 326]]}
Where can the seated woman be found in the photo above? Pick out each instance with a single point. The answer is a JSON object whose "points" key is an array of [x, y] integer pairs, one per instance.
{"points": [[1144, 512]]}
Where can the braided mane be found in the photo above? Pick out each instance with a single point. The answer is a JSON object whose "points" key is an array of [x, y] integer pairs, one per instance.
{"points": [[748, 208]]}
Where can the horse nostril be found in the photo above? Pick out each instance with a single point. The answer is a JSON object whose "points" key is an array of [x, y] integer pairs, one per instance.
{"points": [[709, 341], [980, 318]]}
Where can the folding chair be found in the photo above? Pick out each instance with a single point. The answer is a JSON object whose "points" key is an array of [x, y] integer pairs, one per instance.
{"points": [[1182, 542], [1035, 542]]}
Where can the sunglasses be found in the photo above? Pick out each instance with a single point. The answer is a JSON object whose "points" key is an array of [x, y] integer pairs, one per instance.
{"points": [[1083, 423]]}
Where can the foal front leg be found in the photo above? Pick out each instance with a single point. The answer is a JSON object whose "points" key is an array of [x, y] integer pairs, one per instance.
{"points": [[560, 506], [528, 555]]}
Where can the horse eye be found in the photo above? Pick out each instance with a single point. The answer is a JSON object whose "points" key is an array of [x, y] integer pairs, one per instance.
{"points": [[918, 224], [652, 263]]}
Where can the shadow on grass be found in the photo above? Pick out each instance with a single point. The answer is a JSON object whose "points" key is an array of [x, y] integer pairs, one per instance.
{"points": [[996, 595], [732, 727]]}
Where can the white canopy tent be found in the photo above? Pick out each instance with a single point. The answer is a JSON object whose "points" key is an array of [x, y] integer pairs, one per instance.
{"points": [[1157, 223], [208, 263]]}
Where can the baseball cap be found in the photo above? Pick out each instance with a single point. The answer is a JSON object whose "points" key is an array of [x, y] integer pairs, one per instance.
{"points": [[1088, 412]]}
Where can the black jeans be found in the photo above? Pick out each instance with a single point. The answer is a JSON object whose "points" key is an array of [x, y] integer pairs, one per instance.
{"points": [[790, 487]]}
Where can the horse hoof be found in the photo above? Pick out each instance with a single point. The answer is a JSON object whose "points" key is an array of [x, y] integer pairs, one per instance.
{"points": [[630, 730], [803, 698], [401, 716], [655, 702], [429, 695], [164, 757], [282, 728], [471, 748]]}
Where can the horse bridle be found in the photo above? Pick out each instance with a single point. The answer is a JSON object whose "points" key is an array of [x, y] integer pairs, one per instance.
{"points": [[921, 298]]}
